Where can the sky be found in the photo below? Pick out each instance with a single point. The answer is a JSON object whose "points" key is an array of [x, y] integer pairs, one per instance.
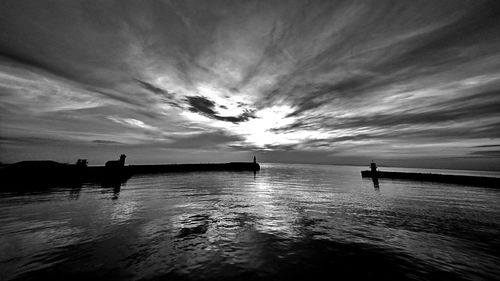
{"points": [[403, 83]]}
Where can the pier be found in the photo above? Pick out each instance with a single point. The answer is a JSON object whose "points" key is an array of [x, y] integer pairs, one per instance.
{"points": [[429, 177], [177, 168], [115, 171]]}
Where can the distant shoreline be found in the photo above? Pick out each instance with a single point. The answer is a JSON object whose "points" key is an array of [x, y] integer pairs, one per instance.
{"points": [[385, 166]]}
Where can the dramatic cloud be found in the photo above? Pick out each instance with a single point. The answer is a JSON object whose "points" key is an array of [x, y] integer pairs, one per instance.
{"points": [[405, 82], [207, 108]]}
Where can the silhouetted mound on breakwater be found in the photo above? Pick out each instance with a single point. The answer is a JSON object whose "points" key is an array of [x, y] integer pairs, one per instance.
{"points": [[455, 179], [114, 171]]}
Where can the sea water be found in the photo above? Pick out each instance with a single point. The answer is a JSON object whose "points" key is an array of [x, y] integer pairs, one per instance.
{"points": [[285, 222]]}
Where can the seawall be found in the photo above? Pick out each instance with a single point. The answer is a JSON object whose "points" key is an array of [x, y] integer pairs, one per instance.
{"points": [[442, 178], [40, 172], [169, 168]]}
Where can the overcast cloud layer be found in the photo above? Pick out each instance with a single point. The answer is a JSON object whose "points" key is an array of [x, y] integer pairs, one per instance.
{"points": [[412, 83]]}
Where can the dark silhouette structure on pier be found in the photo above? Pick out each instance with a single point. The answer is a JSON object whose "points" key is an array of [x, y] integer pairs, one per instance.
{"points": [[116, 163], [82, 163]]}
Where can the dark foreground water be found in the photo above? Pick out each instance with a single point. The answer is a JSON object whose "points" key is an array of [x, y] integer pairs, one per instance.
{"points": [[302, 222]]}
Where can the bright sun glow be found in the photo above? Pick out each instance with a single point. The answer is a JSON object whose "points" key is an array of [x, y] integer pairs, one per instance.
{"points": [[259, 131]]}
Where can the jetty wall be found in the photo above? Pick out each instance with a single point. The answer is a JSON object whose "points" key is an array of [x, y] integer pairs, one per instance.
{"points": [[168, 168], [442, 178], [35, 172]]}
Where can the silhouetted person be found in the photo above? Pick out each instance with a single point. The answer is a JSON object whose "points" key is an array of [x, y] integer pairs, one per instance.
{"points": [[254, 160], [117, 163]]}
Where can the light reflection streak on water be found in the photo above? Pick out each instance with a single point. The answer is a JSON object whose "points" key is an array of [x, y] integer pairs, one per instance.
{"points": [[226, 224]]}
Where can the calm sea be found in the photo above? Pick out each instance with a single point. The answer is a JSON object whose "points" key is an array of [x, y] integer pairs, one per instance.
{"points": [[300, 222]]}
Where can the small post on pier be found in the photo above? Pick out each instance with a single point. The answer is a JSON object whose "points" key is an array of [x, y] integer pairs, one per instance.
{"points": [[373, 167]]}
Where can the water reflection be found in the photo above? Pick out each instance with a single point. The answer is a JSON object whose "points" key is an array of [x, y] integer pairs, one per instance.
{"points": [[114, 187], [191, 225], [376, 184], [123, 211], [73, 189], [286, 223], [74, 192], [273, 211]]}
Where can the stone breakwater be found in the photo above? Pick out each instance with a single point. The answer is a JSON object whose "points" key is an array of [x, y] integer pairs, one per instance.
{"points": [[53, 172], [442, 178]]}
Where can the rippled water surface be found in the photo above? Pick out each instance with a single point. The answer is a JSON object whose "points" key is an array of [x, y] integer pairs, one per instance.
{"points": [[286, 222]]}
